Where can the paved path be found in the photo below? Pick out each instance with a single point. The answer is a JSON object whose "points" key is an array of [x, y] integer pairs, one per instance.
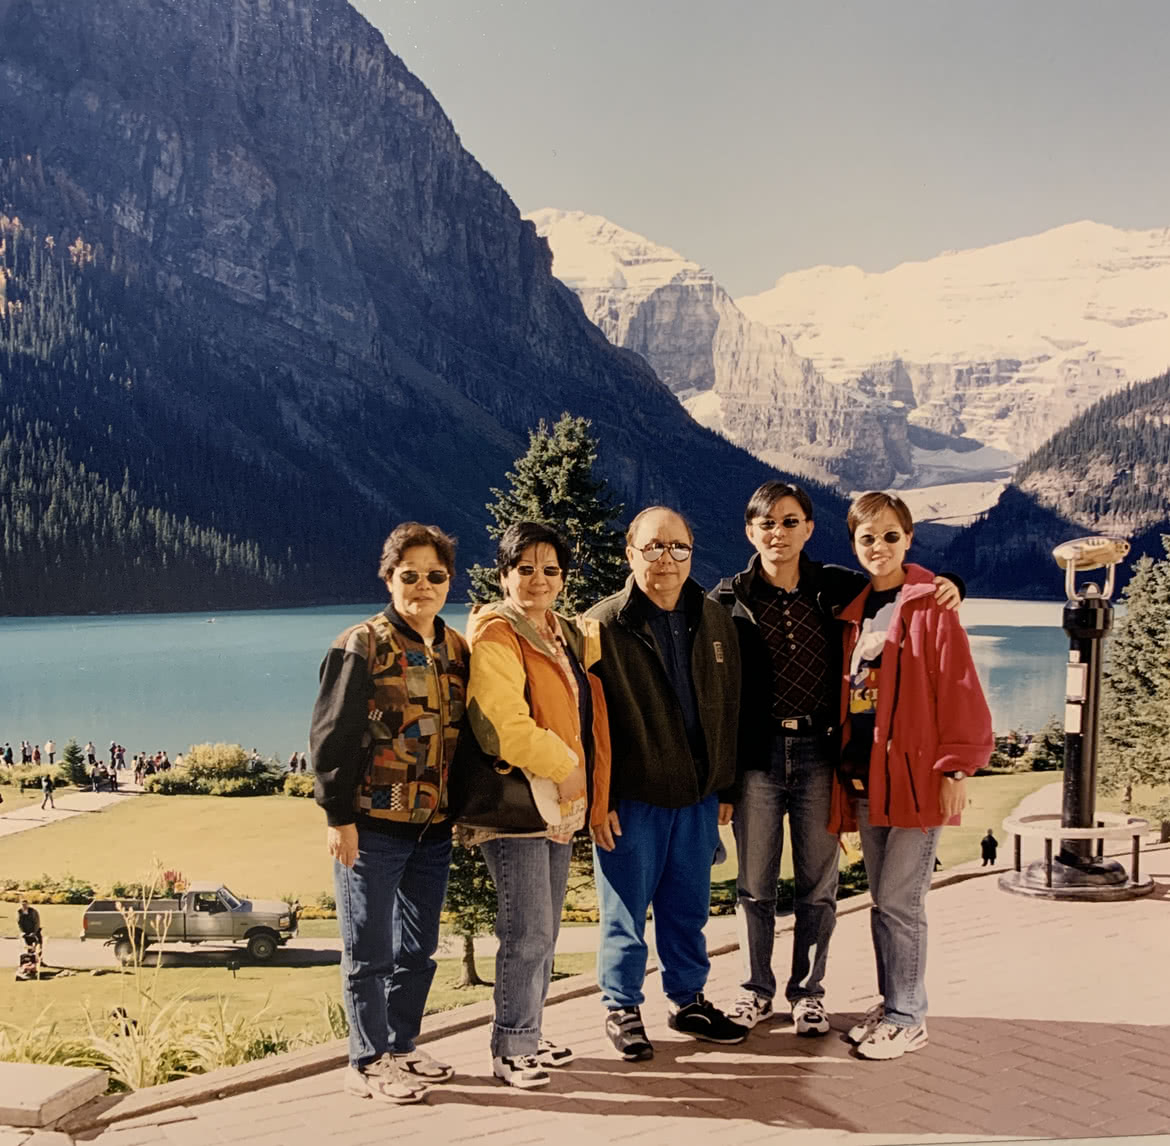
{"points": [[1047, 1019], [69, 802]]}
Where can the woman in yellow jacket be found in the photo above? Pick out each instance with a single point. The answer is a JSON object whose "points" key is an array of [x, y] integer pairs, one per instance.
{"points": [[533, 702]]}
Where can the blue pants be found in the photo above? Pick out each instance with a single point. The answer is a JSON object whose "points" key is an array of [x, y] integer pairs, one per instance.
{"points": [[530, 877], [899, 863], [388, 908], [662, 859], [799, 784]]}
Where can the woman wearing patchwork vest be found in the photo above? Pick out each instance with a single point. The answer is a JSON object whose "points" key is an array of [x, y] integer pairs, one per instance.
{"points": [[384, 730], [533, 702]]}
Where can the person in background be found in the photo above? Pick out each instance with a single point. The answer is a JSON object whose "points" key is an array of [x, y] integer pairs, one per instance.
{"points": [[784, 606], [915, 726], [383, 733], [47, 789], [988, 846], [50, 749], [28, 922], [671, 673], [292, 762], [533, 702]]}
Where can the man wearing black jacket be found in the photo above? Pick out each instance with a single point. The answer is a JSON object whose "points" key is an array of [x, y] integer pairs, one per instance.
{"points": [[783, 606]]}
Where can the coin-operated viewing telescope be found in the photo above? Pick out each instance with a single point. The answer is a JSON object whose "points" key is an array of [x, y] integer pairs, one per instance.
{"points": [[1077, 872]]}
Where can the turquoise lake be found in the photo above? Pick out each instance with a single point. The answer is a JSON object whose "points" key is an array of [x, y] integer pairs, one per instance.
{"points": [[155, 681]]}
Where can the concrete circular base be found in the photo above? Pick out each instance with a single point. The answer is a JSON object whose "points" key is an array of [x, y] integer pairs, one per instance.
{"points": [[1018, 884]]}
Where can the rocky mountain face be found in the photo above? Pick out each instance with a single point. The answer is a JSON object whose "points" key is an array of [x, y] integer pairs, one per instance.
{"points": [[739, 377], [317, 289], [999, 344]]}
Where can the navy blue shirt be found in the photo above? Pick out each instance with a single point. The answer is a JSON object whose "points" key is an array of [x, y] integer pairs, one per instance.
{"points": [[674, 635]]}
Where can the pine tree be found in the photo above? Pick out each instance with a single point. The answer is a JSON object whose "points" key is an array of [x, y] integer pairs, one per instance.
{"points": [[74, 761], [471, 906], [553, 484], [1135, 707]]}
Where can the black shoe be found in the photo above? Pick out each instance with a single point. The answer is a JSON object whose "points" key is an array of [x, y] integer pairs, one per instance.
{"points": [[704, 1020], [628, 1035]]}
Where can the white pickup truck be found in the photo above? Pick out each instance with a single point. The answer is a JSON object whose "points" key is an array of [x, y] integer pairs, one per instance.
{"points": [[204, 913]]}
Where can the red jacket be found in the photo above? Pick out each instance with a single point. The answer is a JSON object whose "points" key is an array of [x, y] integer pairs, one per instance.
{"points": [[932, 716]]}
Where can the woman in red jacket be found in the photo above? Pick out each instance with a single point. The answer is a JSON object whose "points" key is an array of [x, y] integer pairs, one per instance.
{"points": [[915, 725]]}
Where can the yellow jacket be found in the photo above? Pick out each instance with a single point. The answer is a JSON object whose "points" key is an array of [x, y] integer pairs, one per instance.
{"points": [[521, 707]]}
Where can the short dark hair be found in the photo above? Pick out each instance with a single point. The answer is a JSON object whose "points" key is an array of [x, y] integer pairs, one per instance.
{"points": [[410, 534], [522, 534], [633, 527], [867, 506], [761, 502]]}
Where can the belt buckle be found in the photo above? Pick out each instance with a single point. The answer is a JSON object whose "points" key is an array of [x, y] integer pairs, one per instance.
{"points": [[790, 725]]}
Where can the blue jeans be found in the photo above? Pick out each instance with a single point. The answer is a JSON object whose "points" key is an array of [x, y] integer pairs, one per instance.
{"points": [[530, 877], [899, 863], [388, 908], [662, 858], [798, 783]]}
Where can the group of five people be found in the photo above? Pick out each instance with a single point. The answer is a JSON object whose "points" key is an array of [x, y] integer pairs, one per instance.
{"points": [[844, 701]]}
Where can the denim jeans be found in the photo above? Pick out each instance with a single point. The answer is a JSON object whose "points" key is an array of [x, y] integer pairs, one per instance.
{"points": [[388, 908], [899, 863], [530, 877], [662, 858], [798, 783]]}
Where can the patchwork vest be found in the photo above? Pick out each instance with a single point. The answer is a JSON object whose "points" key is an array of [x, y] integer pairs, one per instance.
{"points": [[414, 717]]}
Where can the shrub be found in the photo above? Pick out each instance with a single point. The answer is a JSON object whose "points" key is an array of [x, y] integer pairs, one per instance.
{"points": [[216, 760], [298, 784], [176, 782], [47, 889], [31, 775], [258, 784]]}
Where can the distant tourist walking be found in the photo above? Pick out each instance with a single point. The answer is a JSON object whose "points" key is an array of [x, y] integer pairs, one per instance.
{"points": [[36, 755], [51, 748], [533, 702], [90, 753], [989, 845], [383, 734], [915, 726], [47, 789]]}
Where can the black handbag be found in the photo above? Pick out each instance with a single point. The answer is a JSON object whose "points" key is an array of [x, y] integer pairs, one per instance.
{"points": [[484, 791]]}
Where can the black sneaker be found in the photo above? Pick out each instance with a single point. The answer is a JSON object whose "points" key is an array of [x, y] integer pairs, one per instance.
{"points": [[704, 1020], [628, 1035]]}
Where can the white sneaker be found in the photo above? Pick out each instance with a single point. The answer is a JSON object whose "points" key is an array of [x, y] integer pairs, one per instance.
{"points": [[383, 1081], [521, 1071], [749, 1009], [888, 1041], [863, 1029], [422, 1066], [549, 1054], [808, 1016]]}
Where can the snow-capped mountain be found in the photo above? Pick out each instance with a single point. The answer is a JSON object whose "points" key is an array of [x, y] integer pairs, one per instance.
{"points": [[1002, 344], [739, 377]]}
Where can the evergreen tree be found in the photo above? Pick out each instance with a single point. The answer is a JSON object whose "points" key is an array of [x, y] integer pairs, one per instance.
{"points": [[471, 906], [74, 761], [1135, 708], [553, 484]]}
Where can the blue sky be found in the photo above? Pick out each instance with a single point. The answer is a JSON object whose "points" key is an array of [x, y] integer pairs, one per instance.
{"points": [[762, 136]]}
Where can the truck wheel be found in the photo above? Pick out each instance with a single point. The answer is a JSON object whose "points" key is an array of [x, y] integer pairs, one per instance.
{"points": [[261, 948]]}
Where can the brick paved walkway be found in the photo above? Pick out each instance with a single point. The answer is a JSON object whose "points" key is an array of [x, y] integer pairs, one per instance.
{"points": [[1046, 1019]]}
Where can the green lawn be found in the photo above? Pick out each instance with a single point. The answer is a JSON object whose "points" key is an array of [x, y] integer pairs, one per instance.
{"points": [[294, 996], [262, 846]]}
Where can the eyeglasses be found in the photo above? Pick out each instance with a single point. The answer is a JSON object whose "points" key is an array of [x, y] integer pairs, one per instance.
{"points": [[768, 525], [434, 576], [550, 571], [890, 537], [679, 550]]}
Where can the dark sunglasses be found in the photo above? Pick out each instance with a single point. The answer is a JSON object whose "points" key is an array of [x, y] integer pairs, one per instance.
{"points": [[434, 576], [768, 525], [890, 537], [550, 571]]}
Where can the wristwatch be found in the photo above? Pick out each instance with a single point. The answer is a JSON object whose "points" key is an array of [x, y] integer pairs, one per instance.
{"points": [[955, 775]]}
